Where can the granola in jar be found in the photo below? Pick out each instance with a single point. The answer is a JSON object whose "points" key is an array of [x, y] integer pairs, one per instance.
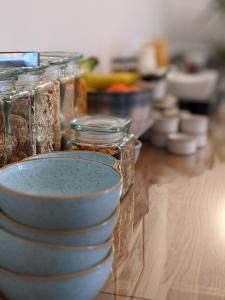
{"points": [[107, 135], [44, 118], [45, 108], [81, 94], [8, 79], [19, 131], [2, 136], [67, 94], [63, 67]]}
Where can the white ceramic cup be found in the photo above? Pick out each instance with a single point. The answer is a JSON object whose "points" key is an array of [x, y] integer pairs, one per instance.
{"points": [[194, 124], [202, 140], [165, 124], [181, 144]]}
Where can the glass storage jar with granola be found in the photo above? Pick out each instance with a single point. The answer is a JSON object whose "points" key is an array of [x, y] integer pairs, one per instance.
{"points": [[54, 72], [108, 135], [2, 133], [7, 87], [80, 87], [17, 118], [68, 64], [46, 103]]}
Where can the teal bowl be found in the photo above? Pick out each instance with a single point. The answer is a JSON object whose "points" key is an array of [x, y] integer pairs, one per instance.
{"points": [[29, 257], [78, 286], [77, 237], [59, 193], [90, 155]]}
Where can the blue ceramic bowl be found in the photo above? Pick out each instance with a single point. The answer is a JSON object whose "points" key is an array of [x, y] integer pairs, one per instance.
{"points": [[78, 286], [90, 155], [28, 257], [59, 193], [78, 237]]}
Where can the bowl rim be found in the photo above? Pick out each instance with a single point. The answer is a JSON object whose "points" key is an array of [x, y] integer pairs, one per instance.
{"points": [[45, 155], [138, 144], [109, 242], [59, 277], [181, 137], [46, 231], [194, 118], [59, 197]]}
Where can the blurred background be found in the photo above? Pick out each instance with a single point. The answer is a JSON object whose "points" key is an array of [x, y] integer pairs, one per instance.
{"points": [[178, 47], [109, 28]]}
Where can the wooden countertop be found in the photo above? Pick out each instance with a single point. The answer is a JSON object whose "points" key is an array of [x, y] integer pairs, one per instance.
{"points": [[170, 243]]}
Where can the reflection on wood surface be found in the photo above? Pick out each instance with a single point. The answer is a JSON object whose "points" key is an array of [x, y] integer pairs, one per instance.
{"points": [[179, 210]]}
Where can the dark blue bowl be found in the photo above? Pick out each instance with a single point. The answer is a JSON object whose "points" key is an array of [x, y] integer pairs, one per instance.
{"points": [[121, 104]]}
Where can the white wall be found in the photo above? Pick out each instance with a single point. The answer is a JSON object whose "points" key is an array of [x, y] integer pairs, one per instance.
{"points": [[94, 27], [192, 24]]}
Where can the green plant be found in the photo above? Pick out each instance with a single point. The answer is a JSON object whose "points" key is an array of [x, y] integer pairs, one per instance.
{"points": [[219, 6], [217, 58]]}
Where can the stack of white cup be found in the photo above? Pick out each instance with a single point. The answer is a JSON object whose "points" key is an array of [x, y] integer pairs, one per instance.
{"points": [[196, 125], [163, 126]]}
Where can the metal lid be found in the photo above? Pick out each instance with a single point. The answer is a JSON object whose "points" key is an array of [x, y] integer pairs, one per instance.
{"points": [[101, 124]]}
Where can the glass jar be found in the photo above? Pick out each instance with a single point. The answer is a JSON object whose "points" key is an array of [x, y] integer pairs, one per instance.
{"points": [[17, 114], [54, 72], [80, 87], [69, 66], [108, 135], [69, 100], [81, 92], [2, 134], [74, 71], [46, 98], [6, 87]]}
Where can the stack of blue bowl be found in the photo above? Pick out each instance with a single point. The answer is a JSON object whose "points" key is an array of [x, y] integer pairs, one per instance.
{"points": [[58, 212]]}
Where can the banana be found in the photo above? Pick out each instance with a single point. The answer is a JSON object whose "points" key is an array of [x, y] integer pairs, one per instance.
{"points": [[103, 81], [89, 64]]}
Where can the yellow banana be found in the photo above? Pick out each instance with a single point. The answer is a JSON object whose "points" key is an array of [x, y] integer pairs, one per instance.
{"points": [[103, 81]]}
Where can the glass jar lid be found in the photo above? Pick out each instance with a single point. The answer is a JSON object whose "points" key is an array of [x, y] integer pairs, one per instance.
{"points": [[54, 61], [35, 70], [10, 73], [101, 124], [60, 55]]}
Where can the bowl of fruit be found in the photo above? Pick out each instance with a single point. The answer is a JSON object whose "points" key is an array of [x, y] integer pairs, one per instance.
{"points": [[121, 94]]}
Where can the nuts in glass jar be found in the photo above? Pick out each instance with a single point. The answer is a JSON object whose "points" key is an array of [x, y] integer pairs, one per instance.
{"points": [[44, 119], [2, 138]]}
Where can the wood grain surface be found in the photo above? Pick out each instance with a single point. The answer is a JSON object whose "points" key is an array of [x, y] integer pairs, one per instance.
{"points": [[176, 248], [170, 240]]}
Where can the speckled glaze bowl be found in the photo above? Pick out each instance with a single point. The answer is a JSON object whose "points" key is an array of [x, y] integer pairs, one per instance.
{"points": [[83, 286], [90, 155], [78, 237], [59, 193], [28, 257]]}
